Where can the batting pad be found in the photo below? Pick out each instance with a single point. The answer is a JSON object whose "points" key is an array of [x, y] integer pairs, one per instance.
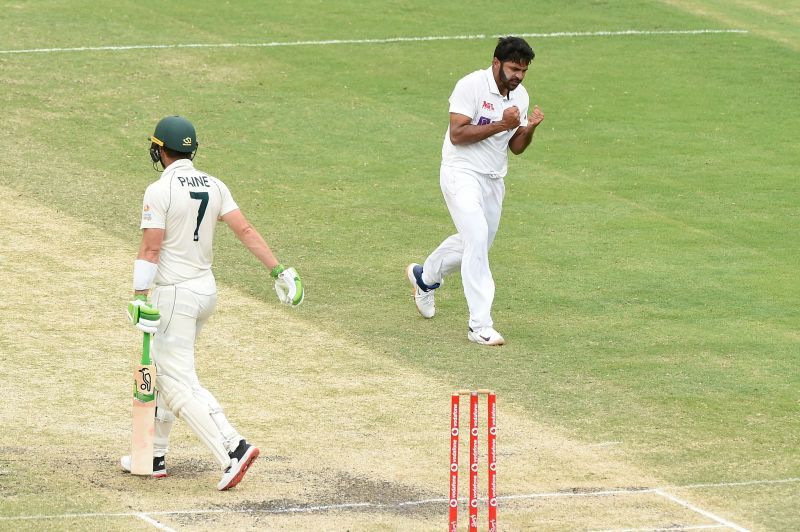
{"points": [[197, 413]]}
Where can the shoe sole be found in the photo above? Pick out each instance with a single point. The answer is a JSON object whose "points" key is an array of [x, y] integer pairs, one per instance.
{"points": [[482, 342], [413, 281], [249, 458]]}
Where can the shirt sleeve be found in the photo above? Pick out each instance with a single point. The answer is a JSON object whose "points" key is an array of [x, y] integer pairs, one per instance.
{"points": [[463, 99], [227, 204], [154, 208]]}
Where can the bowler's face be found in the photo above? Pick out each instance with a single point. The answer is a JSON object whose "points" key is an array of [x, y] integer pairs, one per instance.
{"points": [[508, 74]]}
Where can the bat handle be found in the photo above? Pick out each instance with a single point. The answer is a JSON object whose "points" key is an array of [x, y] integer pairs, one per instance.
{"points": [[146, 349]]}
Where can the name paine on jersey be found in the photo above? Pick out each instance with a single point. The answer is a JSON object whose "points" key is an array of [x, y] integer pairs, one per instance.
{"points": [[194, 181]]}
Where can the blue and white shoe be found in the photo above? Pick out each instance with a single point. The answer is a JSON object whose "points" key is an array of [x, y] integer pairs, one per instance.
{"points": [[485, 336], [423, 294]]}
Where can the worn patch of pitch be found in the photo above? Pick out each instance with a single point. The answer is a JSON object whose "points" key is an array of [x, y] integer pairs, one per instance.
{"points": [[336, 422]]}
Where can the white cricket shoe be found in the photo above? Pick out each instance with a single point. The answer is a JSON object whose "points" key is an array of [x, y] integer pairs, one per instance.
{"points": [[159, 465], [485, 336], [241, 459], [422, 298]]}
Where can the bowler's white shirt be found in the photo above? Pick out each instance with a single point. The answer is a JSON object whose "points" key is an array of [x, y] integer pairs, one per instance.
{"points": [[186, 203], [476, 95]]}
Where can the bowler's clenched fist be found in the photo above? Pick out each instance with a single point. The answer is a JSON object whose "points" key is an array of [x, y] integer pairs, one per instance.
{"points": [[511, 117], [536, 117]]}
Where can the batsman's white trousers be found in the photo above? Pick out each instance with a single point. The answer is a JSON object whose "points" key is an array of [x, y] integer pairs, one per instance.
{"points": [[475, 202], [184, 311]]}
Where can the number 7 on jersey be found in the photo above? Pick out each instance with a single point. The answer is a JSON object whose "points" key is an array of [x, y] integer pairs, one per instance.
{"points": [[201, 211]]}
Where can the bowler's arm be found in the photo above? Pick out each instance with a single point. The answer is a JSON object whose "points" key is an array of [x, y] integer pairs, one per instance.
{"points": [[524, 135], [463, 131]]}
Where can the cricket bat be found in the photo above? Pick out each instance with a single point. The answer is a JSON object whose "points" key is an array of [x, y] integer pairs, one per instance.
{"points": [[144, 413]]}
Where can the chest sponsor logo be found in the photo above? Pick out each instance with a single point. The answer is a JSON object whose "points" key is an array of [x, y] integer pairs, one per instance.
{"points": [[482, 121], [488, 106]]}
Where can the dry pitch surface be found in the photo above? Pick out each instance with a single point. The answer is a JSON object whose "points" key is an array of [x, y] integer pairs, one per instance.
{"points": [[350, 440]]}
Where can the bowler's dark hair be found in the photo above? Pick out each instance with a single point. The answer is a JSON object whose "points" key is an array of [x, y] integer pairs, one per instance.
{"points": [[513, 49]]}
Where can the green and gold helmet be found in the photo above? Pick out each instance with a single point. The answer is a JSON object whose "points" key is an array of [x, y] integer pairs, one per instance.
{"points": [[176, 133]]}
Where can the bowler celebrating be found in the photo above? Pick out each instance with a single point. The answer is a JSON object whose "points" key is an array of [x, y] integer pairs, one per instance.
{"points": [[488, 117]]}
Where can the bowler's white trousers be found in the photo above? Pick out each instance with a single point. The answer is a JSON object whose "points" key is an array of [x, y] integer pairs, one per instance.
{"points": [[184, 311], [475, 202]]}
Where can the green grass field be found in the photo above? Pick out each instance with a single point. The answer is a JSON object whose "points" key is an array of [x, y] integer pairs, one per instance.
{"points": [[646, 264]]}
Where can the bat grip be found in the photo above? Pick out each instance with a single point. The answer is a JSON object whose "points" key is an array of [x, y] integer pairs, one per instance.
{"points": [[146, 349]]}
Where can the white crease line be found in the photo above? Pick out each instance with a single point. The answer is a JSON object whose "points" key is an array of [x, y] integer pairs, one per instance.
{"points": [[387, 40], [345, 506], [702, 512], [735, 484], [309, 509], [568, 494], [157, 524], [660, 529]]}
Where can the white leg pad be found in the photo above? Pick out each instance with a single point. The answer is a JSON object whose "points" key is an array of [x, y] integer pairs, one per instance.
{"points": [[164, 421], [197, 413], [161, 437], [229, 434]]}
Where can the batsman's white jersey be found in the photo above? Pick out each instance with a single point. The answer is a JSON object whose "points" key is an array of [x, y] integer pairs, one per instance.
{"points": [[186, 203], [471, 179]]}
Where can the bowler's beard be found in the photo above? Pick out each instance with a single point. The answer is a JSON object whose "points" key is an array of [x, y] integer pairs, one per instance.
{"points": [[505, 82]]}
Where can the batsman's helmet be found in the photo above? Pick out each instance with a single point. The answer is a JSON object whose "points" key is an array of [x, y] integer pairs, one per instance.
{"points": [[176, 133]]}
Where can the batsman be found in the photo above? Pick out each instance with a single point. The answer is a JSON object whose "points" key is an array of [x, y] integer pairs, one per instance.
{"points": [[179, 215]]}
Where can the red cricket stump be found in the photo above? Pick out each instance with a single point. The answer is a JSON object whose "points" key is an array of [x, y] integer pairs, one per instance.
{"points": [[491, 438], [454, 412], [473, 462]]}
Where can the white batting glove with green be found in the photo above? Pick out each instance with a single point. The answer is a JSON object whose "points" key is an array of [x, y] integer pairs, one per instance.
{"points": [[145, 317], [288, 285]]}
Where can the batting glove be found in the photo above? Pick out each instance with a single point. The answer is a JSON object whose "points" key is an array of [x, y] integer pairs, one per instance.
{"points": [[143, 316], [288, 285]]}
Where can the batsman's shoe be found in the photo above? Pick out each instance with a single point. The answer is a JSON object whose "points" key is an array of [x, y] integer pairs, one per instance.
{"points": [[159, 465], [423, 294], [485, 336], [241, 459]]}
